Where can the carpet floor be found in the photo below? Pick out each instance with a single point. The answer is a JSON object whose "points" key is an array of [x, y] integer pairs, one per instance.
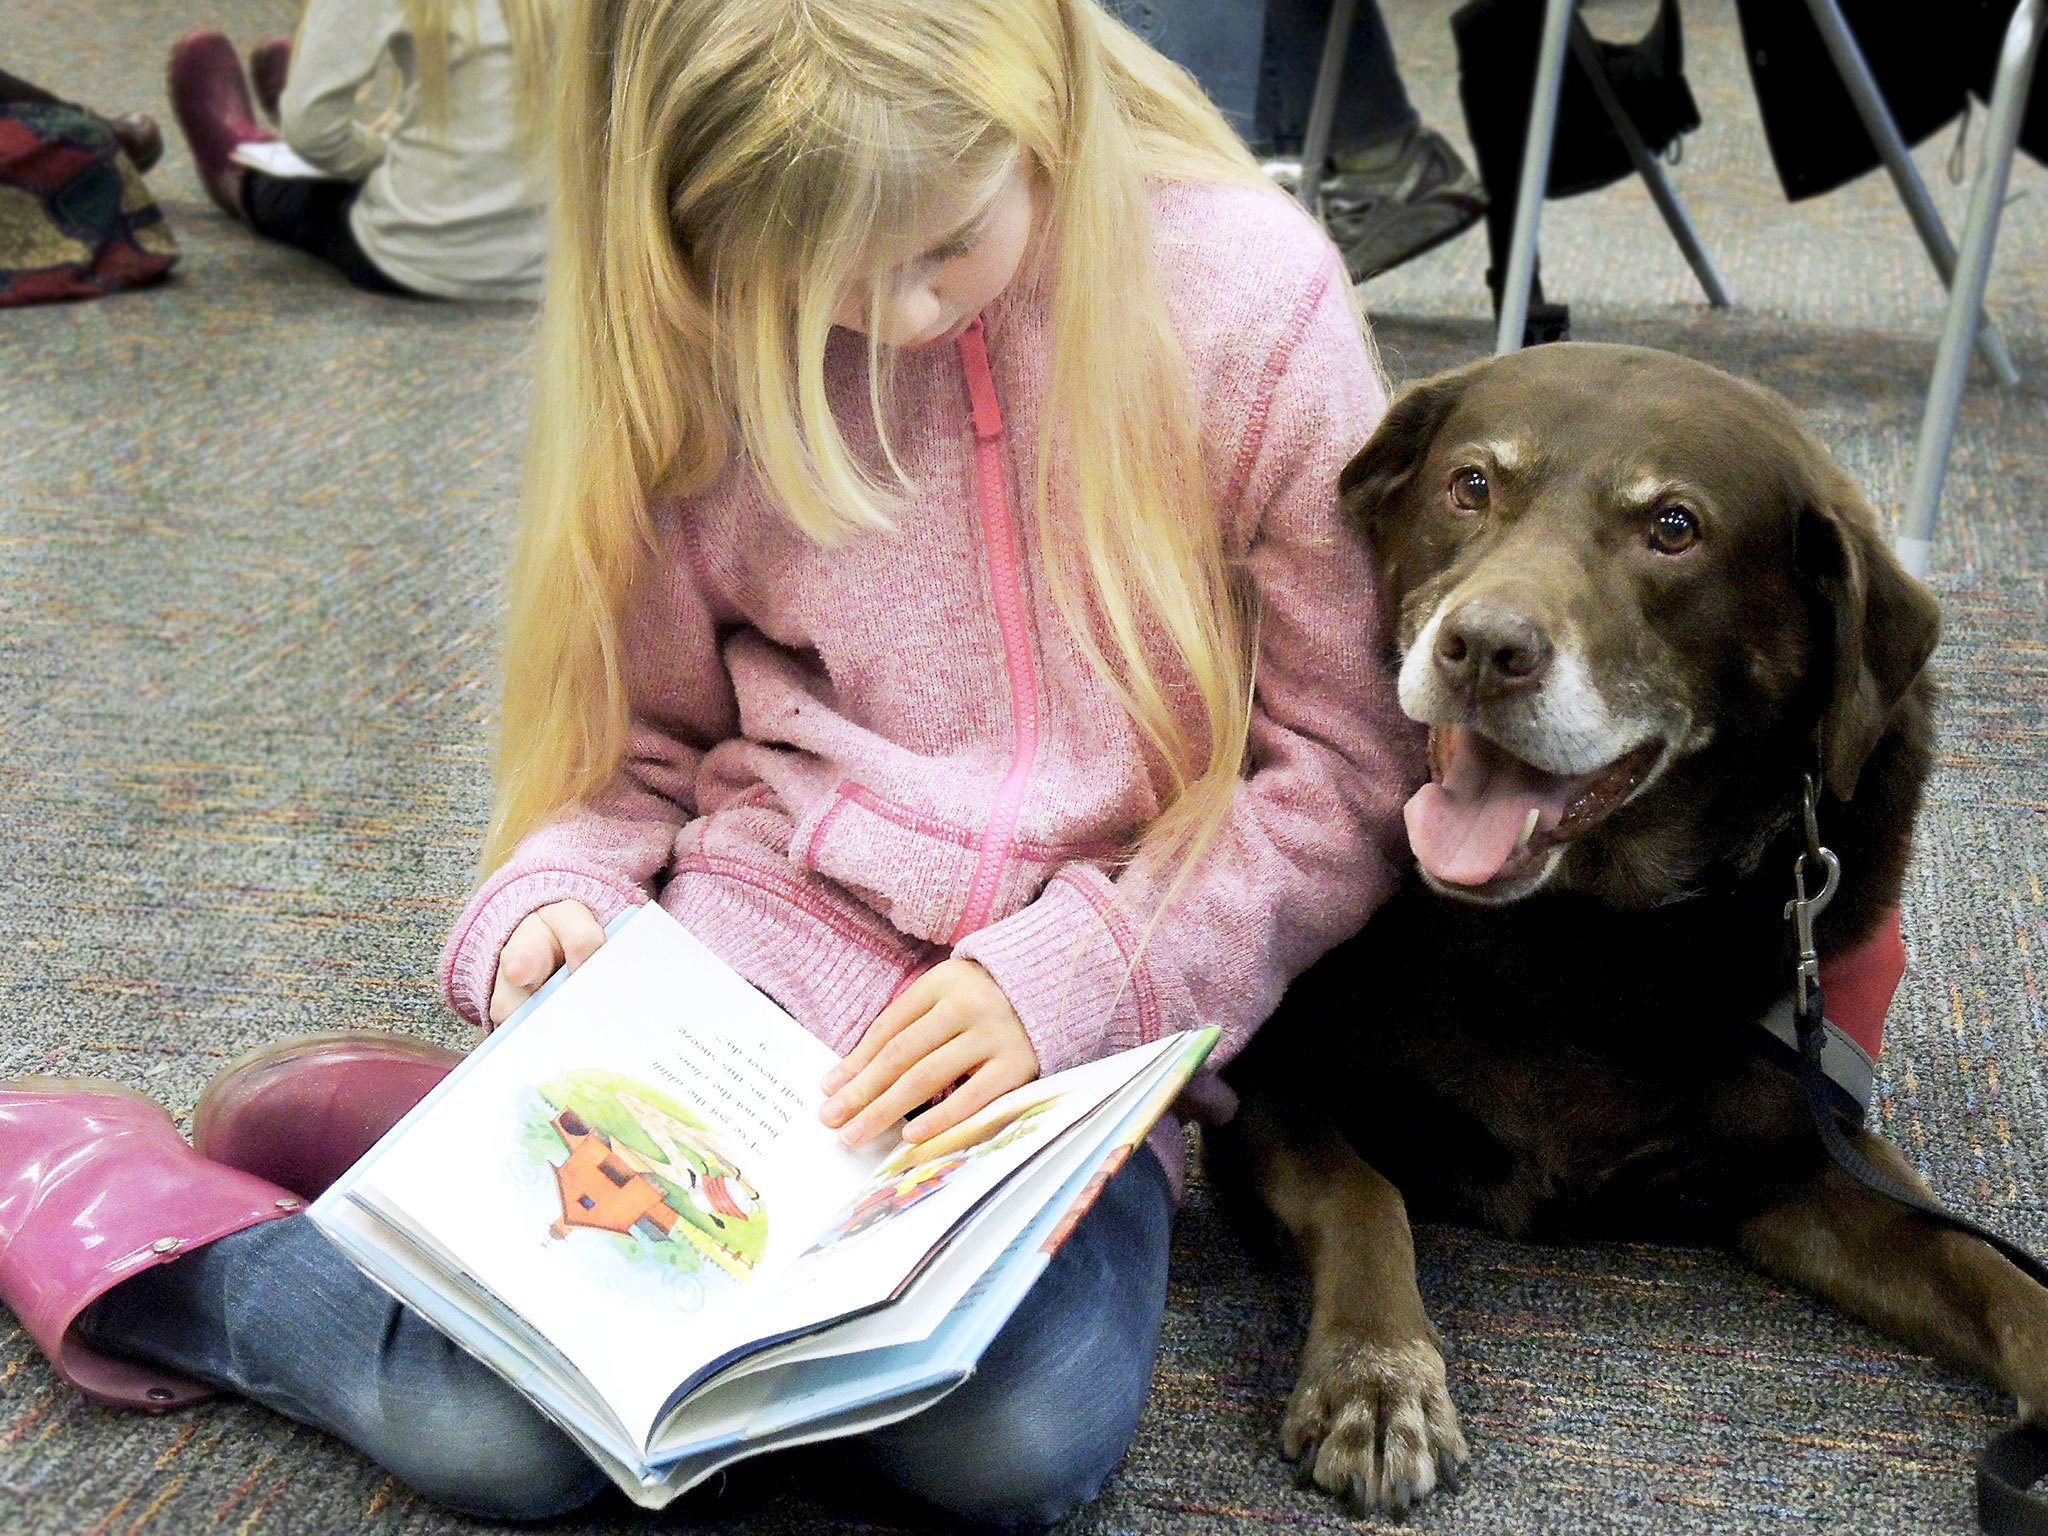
{"points": [[251, 526]]}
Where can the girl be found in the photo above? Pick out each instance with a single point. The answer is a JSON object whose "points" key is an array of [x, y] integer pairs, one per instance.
{"points": [[938, 418], [439, 197]]}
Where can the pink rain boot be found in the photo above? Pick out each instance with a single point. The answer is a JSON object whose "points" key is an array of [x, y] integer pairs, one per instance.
{"points": [[269, 62], [211, 100], [96, 1185], [301, 1112]]}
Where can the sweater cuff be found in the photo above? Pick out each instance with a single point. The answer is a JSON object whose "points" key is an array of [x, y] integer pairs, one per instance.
{"points": [[1065, 964], [469, 964]]}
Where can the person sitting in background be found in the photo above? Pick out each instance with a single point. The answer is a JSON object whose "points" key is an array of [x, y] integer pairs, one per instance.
{"points": [[439, 198], [1394, 187]]}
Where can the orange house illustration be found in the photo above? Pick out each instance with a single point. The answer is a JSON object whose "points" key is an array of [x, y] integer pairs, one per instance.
{"points": [[600, 1189]]}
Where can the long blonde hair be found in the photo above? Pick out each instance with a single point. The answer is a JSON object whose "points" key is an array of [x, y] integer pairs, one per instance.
{"points": [[436, 25], [724, 170]]}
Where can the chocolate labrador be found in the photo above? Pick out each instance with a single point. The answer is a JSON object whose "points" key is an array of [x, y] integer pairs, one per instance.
{"points": [[1634, 602]]}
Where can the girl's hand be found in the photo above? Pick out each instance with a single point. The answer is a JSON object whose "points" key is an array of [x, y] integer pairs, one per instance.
{"points": [[953, 1025], [562, 930]]}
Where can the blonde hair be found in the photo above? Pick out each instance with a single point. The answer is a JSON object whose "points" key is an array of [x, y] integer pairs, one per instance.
{"points": [[436, 25], [725, 171]]}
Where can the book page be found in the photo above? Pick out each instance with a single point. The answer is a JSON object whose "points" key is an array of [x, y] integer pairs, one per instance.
{"points": [[779, 1400], [633, 1175], [942, 1326], [623, 1166], [965, 1256], [919, 1195]]}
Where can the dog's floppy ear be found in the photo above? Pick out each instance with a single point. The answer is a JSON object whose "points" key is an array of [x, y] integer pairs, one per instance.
{"points": [[1879, 626], [1397, 446]]}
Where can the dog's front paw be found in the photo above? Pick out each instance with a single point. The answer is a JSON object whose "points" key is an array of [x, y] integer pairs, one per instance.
{"points": [[1373, 1422]]}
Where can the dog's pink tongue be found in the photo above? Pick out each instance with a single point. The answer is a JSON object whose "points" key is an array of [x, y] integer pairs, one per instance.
{"points": [[1465, 825]]}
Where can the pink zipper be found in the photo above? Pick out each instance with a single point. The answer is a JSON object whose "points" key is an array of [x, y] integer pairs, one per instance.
{"points": [[999, 536]]}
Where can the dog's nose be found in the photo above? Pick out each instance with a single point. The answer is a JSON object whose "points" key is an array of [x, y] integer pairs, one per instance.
{"points": [[1486, 651]]}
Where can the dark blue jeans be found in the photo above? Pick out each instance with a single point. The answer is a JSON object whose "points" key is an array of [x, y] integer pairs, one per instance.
{"points": [[277, 1314], [1257, 60], [313, 215]]}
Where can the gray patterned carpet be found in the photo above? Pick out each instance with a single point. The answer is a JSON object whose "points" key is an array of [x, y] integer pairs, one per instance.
{"points": [[250, 529]]}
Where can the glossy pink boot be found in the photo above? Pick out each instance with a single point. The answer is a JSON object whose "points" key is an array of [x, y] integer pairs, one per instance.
{"points": [[301, 1112], [96, 1185]]}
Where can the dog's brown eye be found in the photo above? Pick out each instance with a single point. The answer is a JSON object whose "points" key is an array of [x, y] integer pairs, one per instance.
{"points": [[1469, 490], [1674, 530]]}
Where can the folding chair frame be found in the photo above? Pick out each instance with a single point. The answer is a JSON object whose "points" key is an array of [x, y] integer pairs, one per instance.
{"points": [[1965, 273]]}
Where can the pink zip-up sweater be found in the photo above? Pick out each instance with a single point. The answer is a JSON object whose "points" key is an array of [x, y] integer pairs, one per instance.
{"points": [[847, 764]]}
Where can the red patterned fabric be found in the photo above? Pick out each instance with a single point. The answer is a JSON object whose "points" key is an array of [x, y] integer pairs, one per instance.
{"points": [[76, 220]]}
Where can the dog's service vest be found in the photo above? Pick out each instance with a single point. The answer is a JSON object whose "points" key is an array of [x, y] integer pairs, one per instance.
{"points": [[1857, 988]]}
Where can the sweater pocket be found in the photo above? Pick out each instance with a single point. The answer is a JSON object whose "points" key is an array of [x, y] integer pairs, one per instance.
{"points": [[911, 869], [915, 870]]}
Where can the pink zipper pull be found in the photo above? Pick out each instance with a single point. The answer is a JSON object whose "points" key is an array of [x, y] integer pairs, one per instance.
{"points": [[981, 384]]}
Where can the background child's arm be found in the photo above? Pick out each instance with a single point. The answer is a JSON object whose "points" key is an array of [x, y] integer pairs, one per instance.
{"points": [[1314, 839], [340, 44], [606, 853]]}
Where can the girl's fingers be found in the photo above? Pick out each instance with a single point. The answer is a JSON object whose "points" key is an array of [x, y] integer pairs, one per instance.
{"points": [[505, 1000], [934, 1073], [506, 996], [911, 1045], [528, 959], [971, 1097], [911, 1003], [562, 931], [531, 954], [575, 929]]}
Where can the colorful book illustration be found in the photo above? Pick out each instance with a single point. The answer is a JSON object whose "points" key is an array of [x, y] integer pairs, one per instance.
{"points": [[917, 1171], [638, 1164], [625, 1202]]}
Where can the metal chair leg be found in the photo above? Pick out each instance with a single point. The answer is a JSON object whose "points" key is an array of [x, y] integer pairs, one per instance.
{"points": [[1514, 293], [1322, 105], [1587, 51], [1884, 133], [1973, 267]]}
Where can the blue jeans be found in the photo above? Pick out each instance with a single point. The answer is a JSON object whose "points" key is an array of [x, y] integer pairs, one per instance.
{"points": [[313, 215], [277, 1314], [1257, 60]]}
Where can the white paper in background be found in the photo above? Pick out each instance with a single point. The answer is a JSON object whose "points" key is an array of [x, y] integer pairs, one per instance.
{"points": [[274, 157]]}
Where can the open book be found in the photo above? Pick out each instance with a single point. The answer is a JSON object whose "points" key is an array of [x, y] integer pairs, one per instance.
{"points": [[624, 1202]]}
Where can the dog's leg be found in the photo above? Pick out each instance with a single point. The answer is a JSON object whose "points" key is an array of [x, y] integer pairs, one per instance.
{"points": [[1932, 1287], [1371, 1415]]}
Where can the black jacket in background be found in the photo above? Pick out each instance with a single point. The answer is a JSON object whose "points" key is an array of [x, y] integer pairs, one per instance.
{"points": [[1927, 60]]}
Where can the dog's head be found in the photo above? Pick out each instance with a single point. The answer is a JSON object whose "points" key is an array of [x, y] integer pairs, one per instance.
{"points": [[1631, 594]]}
